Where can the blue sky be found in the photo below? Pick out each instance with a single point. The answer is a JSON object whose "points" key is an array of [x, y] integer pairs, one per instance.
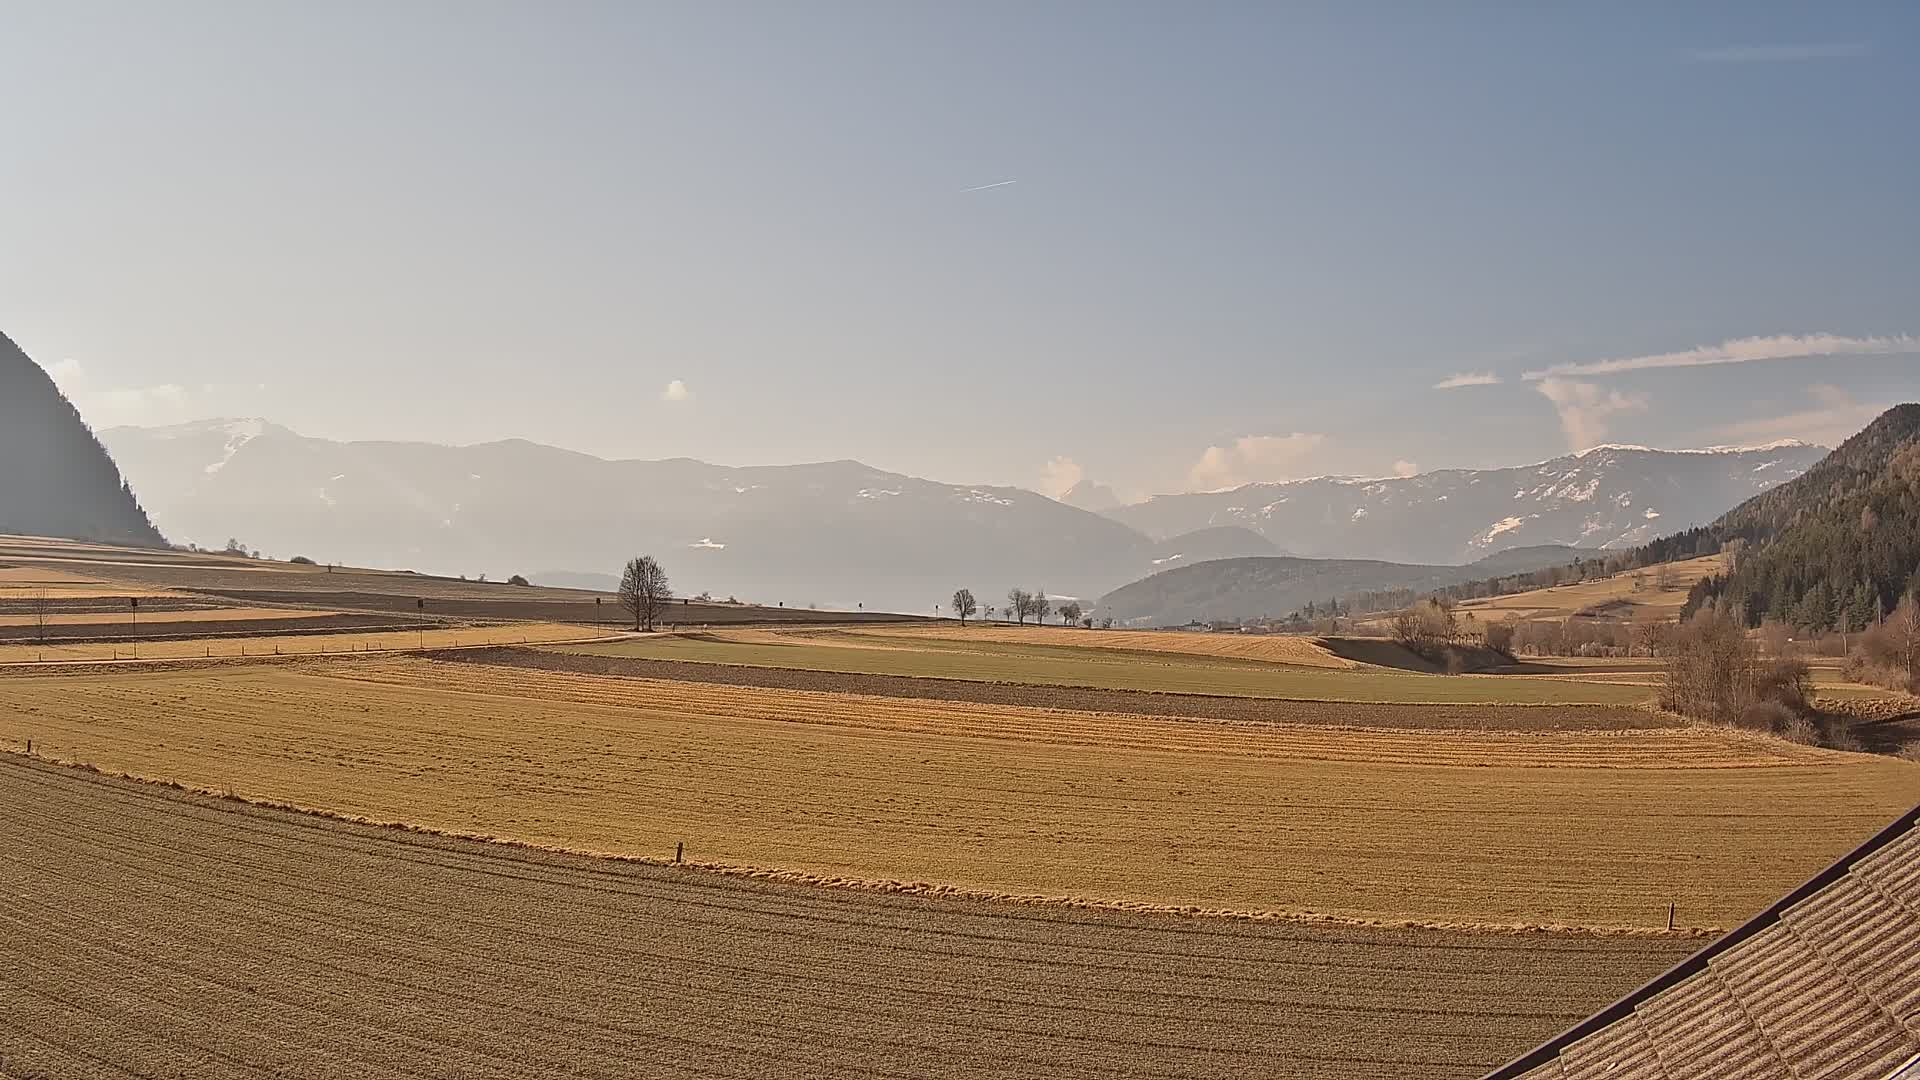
{"points": [[1241, 242]]}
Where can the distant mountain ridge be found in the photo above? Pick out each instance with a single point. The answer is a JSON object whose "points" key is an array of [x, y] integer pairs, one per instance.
{"points": [[1606, 497], [55, 477], [1237, 590], [837, 533]]}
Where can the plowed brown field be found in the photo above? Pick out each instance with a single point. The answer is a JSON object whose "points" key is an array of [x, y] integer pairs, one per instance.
{"points": [[150, 933], [1471, 827]]}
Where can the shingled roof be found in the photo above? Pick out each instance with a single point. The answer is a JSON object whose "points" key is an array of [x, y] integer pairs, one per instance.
{"points": [[1823, 985]]}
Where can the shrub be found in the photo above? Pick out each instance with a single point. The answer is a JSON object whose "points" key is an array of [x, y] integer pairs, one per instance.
{"points": [[518, 580], [1785, 680], [1911, 751], [1771, 717], [1840, 737], [1500, 637], [1800, 730], [301, 560]]}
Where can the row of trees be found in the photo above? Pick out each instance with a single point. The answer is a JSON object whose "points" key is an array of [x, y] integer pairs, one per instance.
{"points": [[1021, 606]]}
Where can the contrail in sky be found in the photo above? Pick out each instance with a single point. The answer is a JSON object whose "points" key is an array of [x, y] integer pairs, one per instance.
{"points": [[984, 187]]}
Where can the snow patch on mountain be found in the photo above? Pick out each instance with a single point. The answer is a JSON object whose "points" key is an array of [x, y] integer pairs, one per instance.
{"points": [[239, 433]]}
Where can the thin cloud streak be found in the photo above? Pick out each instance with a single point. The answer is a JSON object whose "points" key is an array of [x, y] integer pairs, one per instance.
{"points": [[1740, 351], [987, 187], [1468, 378], [1780, 54]]}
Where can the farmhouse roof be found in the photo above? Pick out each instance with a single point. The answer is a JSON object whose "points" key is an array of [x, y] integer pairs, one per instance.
{"points": [[1824, 984]]}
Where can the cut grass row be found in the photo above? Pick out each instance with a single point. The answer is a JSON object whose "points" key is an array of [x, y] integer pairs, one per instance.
{"points": [[928, 655], [1459, 827]]}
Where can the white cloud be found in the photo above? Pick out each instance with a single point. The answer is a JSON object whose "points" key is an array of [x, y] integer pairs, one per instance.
{"points": [[1254, 458], [1834, 416], [1586, 409], [1404, 467], [1774, 54], [1468, 378], [1059, 476], [1743, 350], [676, 391], [104, 406]]}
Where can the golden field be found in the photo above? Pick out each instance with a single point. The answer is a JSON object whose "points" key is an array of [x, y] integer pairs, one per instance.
{"points": [[295, 644], [1630, 593], [1269, 648], [1486, 828]]}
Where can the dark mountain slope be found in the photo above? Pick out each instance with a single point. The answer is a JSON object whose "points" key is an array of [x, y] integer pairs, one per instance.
{"points": [[1838, 545], [55, 477]]}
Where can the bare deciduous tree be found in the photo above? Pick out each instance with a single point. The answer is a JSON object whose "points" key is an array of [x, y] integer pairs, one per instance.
{"points": [[41, 605], [1712, 667], [1070, 613], [1906, 621], [964, 605], [1019, 604], [1039, 606], [644, 590]]}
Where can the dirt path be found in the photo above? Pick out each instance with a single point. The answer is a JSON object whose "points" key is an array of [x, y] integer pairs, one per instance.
{"points": [[1133, 702], [147, 932]]}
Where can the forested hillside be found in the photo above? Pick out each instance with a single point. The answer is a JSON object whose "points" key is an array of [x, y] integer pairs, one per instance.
{"points": [[55, 478], [1837, 547]]}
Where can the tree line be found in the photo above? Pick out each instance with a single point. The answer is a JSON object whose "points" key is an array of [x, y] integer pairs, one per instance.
{"points": [[1021, 606]]}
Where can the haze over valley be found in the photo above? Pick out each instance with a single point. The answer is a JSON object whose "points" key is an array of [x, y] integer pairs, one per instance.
{"points": [[844, 535]]}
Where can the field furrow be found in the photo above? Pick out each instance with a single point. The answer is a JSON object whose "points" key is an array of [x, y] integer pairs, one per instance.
{"points": [[159, 933]]}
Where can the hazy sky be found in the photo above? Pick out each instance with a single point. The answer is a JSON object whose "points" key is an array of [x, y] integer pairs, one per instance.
{"points": [[1176, 245]]}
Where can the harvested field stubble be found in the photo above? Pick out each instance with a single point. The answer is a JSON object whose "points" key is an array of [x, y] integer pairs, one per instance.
{"points": [[148, 932], [1460, 827], [1085, 699], [1269, 648], [353, 636], [1103, 668]]}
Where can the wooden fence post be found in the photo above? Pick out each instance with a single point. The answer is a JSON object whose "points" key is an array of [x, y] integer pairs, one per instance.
{"points": [[679, 852], [1670, 915]]}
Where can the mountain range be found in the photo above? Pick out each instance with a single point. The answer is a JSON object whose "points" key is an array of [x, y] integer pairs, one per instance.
{"points": [[1606, 497], [1236, 590], [55, 478], [837, 533], [845, 534]]}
